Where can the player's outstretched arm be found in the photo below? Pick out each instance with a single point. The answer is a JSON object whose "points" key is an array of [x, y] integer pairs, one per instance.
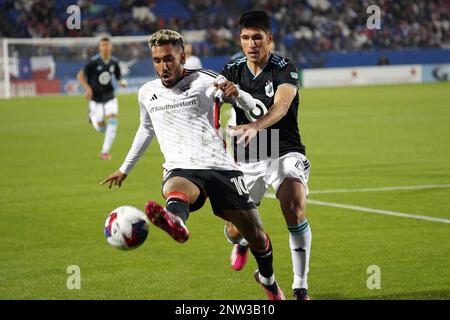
{"points": [[236, 96], [282, 101], [228, 88], [229, 92], [115, 179], [142, 139]]}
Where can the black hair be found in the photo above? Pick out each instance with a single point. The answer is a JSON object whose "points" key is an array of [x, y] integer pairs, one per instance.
{"points": [[258, 19]]}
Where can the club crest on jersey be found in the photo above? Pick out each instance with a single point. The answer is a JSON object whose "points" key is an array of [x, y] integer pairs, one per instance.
{"points": [[111, 68], [269, 89], [185, 89], [104, 78]]}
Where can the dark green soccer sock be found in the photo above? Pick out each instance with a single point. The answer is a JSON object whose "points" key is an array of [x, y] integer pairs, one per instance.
{"points": [[178, 204]]}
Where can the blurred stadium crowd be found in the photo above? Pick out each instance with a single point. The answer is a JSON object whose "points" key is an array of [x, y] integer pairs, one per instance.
{"points": [[300, 26]]}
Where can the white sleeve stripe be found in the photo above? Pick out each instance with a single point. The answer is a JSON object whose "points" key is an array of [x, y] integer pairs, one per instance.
{"points": [[209, 73], [236, 62]]}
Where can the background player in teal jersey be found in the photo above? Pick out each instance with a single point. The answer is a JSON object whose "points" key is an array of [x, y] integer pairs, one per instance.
{"points": [[96, 79]]}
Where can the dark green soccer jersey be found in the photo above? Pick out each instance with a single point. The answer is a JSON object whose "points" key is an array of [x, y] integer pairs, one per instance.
{"points": [[278, 71], [99, 75]]}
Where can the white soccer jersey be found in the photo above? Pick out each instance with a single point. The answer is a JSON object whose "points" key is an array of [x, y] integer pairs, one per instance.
{"points": [[193, 62], [183, 120]]}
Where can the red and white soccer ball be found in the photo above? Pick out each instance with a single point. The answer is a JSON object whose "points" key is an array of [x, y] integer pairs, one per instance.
{"points": [[126, 228]]}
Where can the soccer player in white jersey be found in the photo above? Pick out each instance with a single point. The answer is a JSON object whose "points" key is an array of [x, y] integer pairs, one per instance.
{"points": [[176, 109], [96, 79], [273, 82]]}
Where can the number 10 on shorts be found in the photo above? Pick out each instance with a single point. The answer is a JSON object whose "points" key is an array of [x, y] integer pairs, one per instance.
{"points": [[240, 185]]}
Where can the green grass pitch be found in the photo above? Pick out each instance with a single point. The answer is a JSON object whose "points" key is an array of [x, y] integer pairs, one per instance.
{"points": [[53, 209]]}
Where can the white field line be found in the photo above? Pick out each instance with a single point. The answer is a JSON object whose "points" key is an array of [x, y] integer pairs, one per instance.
{"points": [[371, 210], [420, 187]]}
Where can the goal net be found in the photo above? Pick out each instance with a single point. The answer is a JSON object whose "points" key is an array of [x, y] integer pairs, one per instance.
{"points": [[49, 66]]}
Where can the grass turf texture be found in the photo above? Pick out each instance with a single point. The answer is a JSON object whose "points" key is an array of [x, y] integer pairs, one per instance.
{"points": [[53, 209]]}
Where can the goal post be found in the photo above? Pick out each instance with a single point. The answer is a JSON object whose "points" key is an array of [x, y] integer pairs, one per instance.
{"points": [[5, 91], [49, 66]]}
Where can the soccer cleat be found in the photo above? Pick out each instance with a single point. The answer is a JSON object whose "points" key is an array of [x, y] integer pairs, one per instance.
{"points": [[167, 221], [105, 156], [238, 256], [301, 294], [273, 291]]}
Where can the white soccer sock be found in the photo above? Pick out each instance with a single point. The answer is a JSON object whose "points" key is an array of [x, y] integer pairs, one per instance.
{"points": [[240, 241], [267, 281], [300, 243], [243, 242], [110, 135]]}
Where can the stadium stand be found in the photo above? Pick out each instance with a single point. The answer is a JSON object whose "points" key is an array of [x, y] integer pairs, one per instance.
{"points": [[314, 33]]}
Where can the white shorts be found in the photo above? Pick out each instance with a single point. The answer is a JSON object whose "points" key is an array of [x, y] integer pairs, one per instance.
{"points": [[99, 110], [258, 176]]}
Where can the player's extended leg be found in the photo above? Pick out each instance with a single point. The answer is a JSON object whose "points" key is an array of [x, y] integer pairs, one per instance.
{"points": [[255, 182], [110, 136], [111, 109], [96, 115], [179, 194], [250, 226], [292, 197], [239, 252]]}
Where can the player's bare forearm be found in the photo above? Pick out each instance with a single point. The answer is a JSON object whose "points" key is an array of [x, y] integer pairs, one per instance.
{"points": [[282, 101], [273, 115]]}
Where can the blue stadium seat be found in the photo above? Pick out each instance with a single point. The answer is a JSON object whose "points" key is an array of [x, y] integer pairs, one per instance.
{"points": [[14, 14], [170, 8], [110, 3], [61, 5]]}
